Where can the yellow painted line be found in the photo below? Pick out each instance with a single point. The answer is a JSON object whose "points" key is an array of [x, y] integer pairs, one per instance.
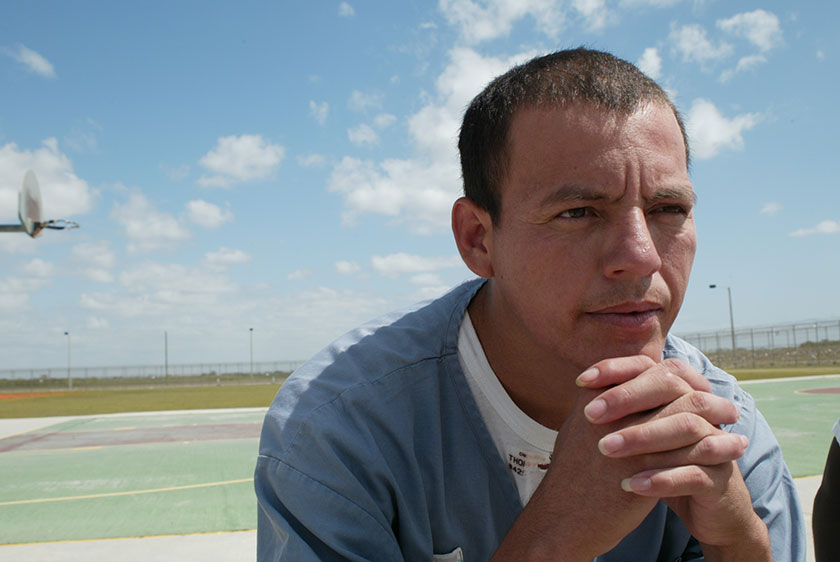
{"points": [[131, 493], [88, 448], [125, 428], [131, 538]]}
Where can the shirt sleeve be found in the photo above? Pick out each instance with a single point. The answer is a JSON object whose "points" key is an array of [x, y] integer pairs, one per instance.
{"points": [[770, 484], [302, 520]]}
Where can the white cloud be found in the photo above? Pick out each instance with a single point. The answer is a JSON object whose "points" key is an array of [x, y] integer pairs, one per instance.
{"points": [[394, 265], [95, 261], [345, 10], [154, 289], [595, 14], [361, 101], [692, 42], [824, 227], [238, 159], [39, 269], [363, 135], [347, 267], [207, 214], [224, 257], [176, 174], [420, 190], [63, 194], [820, 54], [311, 160], [84, 136], [15, 291], [319, 111], [97, 323], [146, 228], [631, 4], [759, 27], [709, 132], [771, 208], [384, 120], [33, 61], [319, 315], [477, 22], [427, 279], [176, 283], [744, 63], [651, 63], [299, 274]]}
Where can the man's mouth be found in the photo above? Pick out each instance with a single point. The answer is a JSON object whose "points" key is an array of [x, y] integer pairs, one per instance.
{"points": [[630, 308], [629, 315]]}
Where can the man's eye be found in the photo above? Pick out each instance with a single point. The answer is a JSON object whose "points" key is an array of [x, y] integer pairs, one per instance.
{"points": [[672, 209], [576, 213]]}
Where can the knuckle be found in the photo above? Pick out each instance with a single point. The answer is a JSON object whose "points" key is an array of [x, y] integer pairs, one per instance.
{"points": [[696, 477], [699, 402], [619, 396], [692, 425], [711, 449], [674, 365]]}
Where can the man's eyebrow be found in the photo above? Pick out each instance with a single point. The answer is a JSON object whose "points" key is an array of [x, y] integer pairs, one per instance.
{"points": [[572, 192], [684, 193]]}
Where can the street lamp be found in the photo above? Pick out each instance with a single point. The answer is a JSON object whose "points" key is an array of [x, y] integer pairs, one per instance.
{"points": [[251, 331], [69, 370], [731, 323]]}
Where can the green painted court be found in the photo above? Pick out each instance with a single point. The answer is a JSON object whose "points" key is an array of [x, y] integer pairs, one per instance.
{"points": [[801, 418], [130, 476], [181, 473]]}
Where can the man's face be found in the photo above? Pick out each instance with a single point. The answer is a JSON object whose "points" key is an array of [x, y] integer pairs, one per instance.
{"points": [[594, 246]]}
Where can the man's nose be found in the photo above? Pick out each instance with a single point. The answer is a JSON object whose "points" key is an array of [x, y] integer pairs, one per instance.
{"points": [[630, 248]]}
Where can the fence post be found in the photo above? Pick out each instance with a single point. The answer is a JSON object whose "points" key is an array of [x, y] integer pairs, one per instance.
{"points": [[817, 338]]}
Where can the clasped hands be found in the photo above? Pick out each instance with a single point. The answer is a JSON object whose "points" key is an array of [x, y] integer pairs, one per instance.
{"points": [[641, 431]]}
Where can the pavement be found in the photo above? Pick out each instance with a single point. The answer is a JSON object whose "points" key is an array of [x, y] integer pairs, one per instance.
{"points": [[218, 546]]}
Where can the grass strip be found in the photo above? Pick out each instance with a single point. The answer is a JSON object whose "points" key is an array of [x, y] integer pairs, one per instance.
{"points": [[781, 372], [89, 402]]}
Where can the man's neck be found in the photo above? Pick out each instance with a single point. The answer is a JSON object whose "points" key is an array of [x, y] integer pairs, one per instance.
{"points": [[538, 384]]}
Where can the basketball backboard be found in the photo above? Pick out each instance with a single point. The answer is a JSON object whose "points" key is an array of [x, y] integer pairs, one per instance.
{"points": [[29, 205], [30, 209]]}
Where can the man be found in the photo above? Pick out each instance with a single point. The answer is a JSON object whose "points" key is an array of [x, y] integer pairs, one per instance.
{"points": [[545, 413]]}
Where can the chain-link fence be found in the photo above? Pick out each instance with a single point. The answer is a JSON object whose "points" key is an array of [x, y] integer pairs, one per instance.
{"points": [[44, 379], [791, 345]]}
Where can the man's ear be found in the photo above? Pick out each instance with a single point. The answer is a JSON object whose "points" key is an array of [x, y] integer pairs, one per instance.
{"points": [[473, 230]]}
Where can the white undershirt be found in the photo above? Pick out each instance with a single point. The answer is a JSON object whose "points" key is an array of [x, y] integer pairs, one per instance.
{"points": [[524, 444]]}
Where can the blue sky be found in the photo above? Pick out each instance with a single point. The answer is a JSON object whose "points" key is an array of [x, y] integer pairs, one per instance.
{"points": [[290, 166]]}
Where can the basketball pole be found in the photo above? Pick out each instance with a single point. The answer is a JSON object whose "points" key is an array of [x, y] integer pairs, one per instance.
{"points": [[69, 369]]}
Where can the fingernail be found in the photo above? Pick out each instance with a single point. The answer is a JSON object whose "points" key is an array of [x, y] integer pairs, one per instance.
{"points": [[595, 409], [611, 443], [744, 441], [587, 376], [635, 484]]}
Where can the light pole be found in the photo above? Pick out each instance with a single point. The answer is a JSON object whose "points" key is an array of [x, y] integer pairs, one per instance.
{"points": [[731, 322], [251, 331], [165, 356], [69, 370]]}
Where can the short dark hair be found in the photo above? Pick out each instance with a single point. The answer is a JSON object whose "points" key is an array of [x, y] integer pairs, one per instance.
{"points": [[558, 79]]}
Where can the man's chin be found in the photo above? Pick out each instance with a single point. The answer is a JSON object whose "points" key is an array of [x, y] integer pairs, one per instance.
{"points": [[651, 347]]}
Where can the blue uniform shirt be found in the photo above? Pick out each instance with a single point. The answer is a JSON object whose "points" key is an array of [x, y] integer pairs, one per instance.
{"points": [[375, 450]]}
